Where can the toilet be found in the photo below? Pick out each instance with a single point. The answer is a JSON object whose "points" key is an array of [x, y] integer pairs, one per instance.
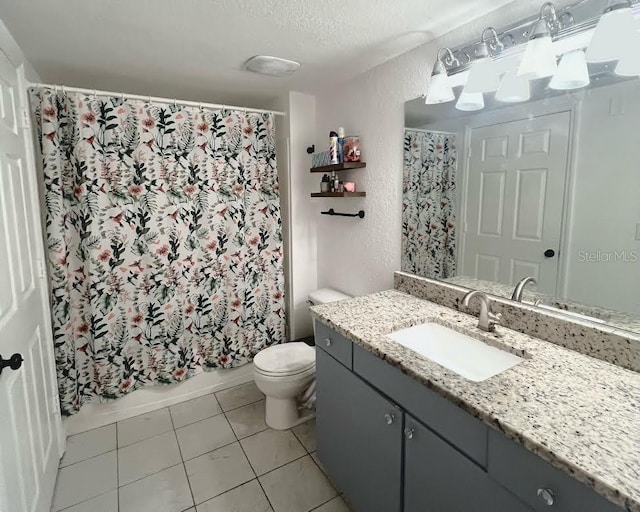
{"points": [[284, 372]]}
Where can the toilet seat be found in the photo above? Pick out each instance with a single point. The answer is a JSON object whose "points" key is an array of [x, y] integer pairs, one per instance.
{"points": [[285, 360]]}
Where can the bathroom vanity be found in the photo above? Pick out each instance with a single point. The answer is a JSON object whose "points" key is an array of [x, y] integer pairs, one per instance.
{"points": [[398, 432]]}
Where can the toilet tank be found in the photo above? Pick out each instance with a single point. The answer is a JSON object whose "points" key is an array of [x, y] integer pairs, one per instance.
{"points": [[324, 295]]}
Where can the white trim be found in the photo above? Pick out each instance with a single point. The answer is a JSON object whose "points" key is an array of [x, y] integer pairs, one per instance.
{"points": [[156, 397], [156, 99]]}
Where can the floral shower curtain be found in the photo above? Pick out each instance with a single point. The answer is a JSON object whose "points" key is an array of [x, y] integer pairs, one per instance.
{"points": [[428, 204], [164, 240]]}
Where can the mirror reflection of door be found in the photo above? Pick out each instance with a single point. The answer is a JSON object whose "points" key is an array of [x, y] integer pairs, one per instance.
{"points": [[514, 200]]}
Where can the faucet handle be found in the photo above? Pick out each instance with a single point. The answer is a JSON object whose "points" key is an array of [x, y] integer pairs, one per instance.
{"points": [[495, 318]]}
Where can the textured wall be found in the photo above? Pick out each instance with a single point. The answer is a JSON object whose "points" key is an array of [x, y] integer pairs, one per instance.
{"points": [[359, 256]]}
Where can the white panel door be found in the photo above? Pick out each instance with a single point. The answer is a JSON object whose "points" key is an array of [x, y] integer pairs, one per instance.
{"points": [[515, 195], [30, 424]]}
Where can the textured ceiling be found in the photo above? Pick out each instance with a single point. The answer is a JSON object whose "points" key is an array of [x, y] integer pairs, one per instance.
{"points": [[194, 49]]}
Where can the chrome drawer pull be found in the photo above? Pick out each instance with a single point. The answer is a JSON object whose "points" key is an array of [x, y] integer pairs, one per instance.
{"points": [[408, 433], [547, 496], [327, 342], [389, 418]]}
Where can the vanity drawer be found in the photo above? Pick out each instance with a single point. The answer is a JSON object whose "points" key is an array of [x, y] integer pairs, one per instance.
{"points": [[524, 473], [334, 343], [466, 433]]}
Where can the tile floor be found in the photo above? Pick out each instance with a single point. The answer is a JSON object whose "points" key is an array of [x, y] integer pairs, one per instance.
{"points": [[210, 454]]}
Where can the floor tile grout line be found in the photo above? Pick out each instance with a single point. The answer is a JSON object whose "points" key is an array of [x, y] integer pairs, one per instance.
{"points": [[184, 467], [85, 501], [85, 460], [300, 440], [225, 492], [252, 469], [151, 474], [285, 464], [257, 477]]}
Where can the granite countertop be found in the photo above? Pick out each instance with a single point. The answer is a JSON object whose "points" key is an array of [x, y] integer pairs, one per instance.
{"points": [[579, 413]]}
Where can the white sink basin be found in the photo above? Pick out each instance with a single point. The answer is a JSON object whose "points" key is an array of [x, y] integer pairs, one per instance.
{"points": [[471, 358]]}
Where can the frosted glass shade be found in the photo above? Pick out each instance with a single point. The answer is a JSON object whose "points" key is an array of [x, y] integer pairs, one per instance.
{"points": [[470, 102], [614, 32], [514, 88], [482, 77], [629, 63], [539, 59], [439, 90], [572, 72]]}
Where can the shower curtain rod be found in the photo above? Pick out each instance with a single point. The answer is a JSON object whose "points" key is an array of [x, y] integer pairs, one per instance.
{"points": [[156, 99], [428, 131]]}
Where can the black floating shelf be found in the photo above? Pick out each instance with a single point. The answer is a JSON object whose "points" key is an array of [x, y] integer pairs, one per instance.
{"points": [[345, 166], [338, 194], [332, 212]]}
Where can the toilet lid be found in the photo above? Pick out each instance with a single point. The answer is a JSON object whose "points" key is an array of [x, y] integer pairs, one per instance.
{"points": [[287, 358]]}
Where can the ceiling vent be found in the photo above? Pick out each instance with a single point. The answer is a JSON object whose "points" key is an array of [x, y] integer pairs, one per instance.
{"points": [[272, 66]]}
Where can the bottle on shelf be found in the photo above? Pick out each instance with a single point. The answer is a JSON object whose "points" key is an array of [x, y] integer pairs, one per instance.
{"points": [[333, 147], [341, 145]]}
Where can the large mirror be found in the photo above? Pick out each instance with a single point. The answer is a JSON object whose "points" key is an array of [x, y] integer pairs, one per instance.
{"points": [[548, 188]]}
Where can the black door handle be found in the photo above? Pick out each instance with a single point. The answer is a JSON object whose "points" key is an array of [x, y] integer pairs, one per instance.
{"points": [[549, 253], [14, 362]]}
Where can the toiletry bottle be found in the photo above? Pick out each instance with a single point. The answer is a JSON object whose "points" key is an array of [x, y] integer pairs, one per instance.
{"points": [[333, 147], [324, 184], [336, 184], [341, 144]]}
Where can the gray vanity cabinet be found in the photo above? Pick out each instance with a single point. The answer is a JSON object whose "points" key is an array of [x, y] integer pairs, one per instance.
{"points": [[359, 438], [438, 478], [393, 445]]}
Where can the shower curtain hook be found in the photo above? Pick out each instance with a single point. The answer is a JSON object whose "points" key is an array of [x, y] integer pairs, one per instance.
{"points": [[122, 95], [63, 91], [200, 105], [149, 100], [95, 94]]}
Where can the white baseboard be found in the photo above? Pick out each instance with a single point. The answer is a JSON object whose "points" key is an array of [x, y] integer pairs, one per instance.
{"points": [[151, 398]]}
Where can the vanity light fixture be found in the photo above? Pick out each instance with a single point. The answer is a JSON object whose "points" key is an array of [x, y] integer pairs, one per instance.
{"points": [[514, 88], [482, 76], [440, 90], [614, 32], [539, 59], [572, 72]]}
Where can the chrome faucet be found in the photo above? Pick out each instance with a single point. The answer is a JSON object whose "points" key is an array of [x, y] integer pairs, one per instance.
{"points": [[517, 291], [488, 319]]}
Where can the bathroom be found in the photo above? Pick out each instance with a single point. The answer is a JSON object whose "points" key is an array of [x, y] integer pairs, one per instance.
{"points": [[470, 284]]}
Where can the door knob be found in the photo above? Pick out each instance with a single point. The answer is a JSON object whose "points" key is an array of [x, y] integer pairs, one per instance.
{"points": [[14, 362], [549, 253]]}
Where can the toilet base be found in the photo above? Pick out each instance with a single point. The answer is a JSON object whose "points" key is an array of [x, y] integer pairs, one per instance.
{"points": [[283, 413]]}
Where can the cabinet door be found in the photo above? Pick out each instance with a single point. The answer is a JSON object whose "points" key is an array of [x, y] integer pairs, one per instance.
{"points": [[359, 438], [438, 478]]}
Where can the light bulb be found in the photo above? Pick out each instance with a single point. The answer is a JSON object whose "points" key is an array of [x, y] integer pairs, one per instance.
{"points": [[572, 72], [614, 32], [514, 88]]}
